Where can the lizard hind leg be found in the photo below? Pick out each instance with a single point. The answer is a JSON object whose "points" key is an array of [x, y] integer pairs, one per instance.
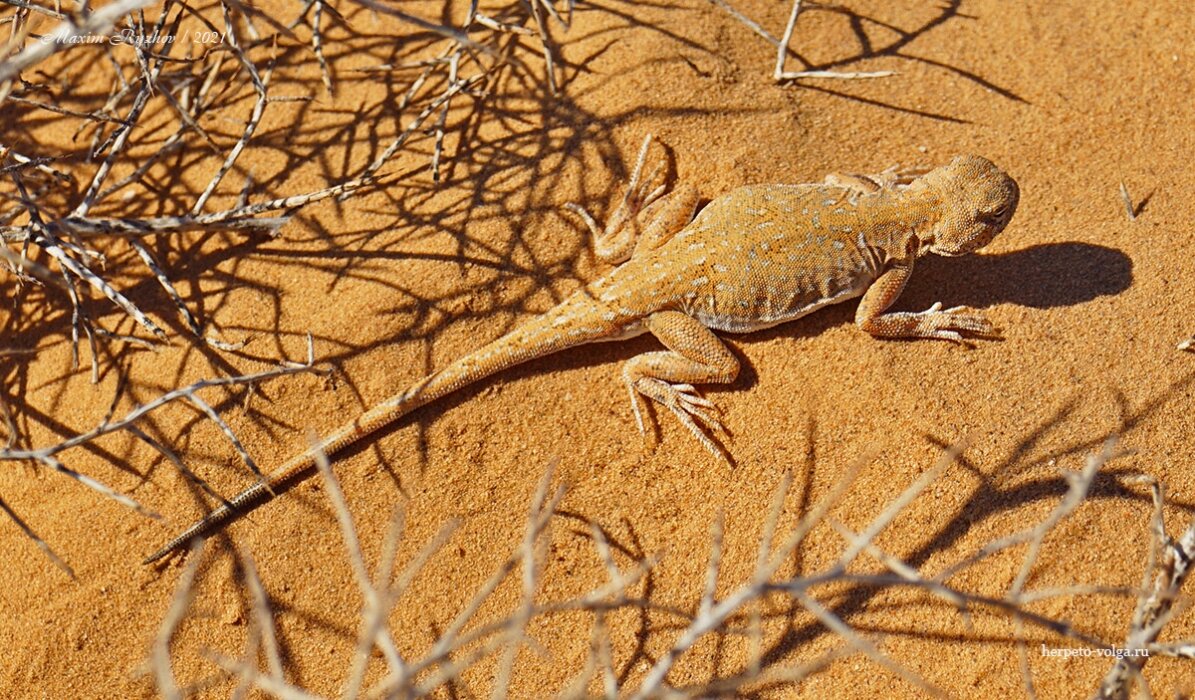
{"points": [[694, 356], [648, 214]]}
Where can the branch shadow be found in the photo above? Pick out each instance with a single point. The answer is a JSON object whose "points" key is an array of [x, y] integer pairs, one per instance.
{"points": [[993, 495], [892, 42]]}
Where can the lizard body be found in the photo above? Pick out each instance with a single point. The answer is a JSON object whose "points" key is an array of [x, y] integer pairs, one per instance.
{"points": [[753, 258]]}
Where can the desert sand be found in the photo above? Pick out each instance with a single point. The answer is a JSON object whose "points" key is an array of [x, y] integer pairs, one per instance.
{"points": [[1071, 98]]}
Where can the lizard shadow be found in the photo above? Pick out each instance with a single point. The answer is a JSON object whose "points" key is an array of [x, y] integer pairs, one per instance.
{"points": [[1043, 276]]}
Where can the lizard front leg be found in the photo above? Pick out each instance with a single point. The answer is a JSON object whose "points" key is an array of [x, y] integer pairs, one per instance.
{"points": [[859, 184], [892, 178], [934, 322], [694, 356], [647, 216]]}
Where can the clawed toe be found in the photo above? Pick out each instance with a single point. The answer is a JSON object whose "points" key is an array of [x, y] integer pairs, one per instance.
{"points": [[694, 411], [616, 240], [688, 394], [950, 324]]}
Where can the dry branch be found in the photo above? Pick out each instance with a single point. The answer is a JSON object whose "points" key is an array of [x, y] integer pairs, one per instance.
{"points": [[779, 74], [459, 648], [1169, 566], [66, 222], [72, 243], [159, 658], [48, 456], [1129, 210], [65, 34]]}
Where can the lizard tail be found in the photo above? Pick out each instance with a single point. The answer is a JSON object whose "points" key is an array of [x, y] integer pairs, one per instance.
{"points": [[576, 321]]}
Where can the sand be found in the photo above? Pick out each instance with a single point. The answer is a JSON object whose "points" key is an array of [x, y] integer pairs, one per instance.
{"points": [[1071, 98]]}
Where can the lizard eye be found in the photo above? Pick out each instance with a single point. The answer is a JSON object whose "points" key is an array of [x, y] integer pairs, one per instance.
{"points": [[996, 214]]}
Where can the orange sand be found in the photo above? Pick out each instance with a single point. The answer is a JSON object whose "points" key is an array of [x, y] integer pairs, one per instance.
{"points": [[1072, 98]]}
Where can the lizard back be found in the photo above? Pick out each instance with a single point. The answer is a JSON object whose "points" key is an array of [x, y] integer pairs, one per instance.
{"points": [[763, 255]]}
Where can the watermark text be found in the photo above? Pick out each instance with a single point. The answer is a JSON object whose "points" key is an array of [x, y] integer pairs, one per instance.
{"points": [[1112, 652], [130, 37]]}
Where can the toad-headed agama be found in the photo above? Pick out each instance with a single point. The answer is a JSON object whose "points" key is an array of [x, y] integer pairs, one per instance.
{"points": [[753, 258]]}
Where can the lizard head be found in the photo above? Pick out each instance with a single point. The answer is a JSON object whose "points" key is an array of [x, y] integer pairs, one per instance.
{"points": [[976, 201]]}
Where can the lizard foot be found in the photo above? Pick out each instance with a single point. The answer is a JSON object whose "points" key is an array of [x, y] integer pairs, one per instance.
{"points": [[616, 240], [685, 403], [642, 191], [950, 324]]}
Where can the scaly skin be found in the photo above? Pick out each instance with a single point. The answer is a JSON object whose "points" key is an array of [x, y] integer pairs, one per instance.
{"points": [[753, 258]]}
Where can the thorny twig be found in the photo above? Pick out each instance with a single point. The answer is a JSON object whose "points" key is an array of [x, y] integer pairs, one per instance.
{"points": [[70, 237], [62, 37], [1170, 563], [1129, 210], [89, 225], [782, 48], [48, 456], [455, 649]]}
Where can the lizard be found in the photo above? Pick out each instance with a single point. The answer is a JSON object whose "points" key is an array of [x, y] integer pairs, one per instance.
{"points": [[753, 258]]}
